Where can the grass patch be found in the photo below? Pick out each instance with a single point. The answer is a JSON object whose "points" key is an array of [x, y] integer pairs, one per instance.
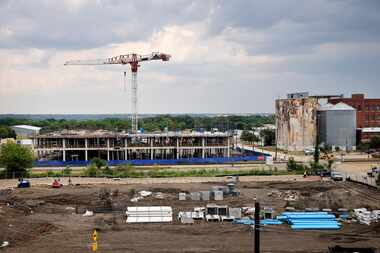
{"points": [[131, 172]]}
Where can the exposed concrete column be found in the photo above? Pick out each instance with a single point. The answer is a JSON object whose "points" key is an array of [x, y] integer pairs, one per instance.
{"points": [[64, 149], [108, 149], [228, 147], [203, 147], [86, 149], [177, 148], [125, 149], [151, 149]]}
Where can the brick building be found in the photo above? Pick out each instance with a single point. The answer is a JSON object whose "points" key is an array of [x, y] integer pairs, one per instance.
{"points": [[367, 115], [368, 109]]}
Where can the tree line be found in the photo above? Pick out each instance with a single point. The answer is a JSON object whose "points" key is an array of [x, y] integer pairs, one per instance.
{"points": [[155, 123]]}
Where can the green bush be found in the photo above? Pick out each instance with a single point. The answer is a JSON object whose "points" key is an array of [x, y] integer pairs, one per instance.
{"points": [[16, 159], [107, 171], [91, 171], [316, 167], [292, 165], [98, 163], [67, 171]]}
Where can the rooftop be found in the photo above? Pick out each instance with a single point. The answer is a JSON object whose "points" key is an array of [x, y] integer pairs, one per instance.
{"points": [[106, 133], [34, 128], [371, 130]]}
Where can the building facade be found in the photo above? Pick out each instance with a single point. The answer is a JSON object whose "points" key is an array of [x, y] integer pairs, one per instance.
{"points": [[367, 109], [296, 119], [85, 145]]}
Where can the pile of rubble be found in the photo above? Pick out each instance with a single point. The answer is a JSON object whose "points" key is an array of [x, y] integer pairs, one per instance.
{"points": [[143, 194], [287, 195], [366, 217]]}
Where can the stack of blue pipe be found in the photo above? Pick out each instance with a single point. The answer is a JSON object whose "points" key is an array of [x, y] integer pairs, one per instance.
{"points": [[262, 222], [310, 220]]}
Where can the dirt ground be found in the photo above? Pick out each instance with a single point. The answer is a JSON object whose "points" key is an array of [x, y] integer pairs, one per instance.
{"points": [[42, 219]]}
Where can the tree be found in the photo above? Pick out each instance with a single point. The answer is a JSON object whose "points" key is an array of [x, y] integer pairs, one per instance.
{"points": [[16, 159], [98, 163], [374, 142], [293, 166], [330, 163], [269, 136], [6, 132], [249, 136], [363, 147], [316, 154]]}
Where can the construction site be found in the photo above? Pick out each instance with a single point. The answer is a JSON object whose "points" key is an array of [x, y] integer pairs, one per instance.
{"points": [[182, 218], [85, 145]]}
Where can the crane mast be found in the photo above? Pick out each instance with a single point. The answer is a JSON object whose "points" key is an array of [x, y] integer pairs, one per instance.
{"points": [[133, 60]]}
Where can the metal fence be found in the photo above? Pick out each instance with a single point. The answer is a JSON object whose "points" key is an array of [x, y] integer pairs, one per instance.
{"points": [[220, 160]]}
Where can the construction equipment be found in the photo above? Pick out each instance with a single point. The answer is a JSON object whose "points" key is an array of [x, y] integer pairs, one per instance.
{"points": [[133, 60], [23, 183], [56, 184]]}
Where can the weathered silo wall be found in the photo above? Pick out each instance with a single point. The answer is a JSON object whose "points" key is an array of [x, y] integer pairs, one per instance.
{"points": [[296, 123]]}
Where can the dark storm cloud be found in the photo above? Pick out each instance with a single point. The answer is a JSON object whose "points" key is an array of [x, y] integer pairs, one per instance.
{"points": [[321, 46], [54, 24], [284, 27], [290, 26]]}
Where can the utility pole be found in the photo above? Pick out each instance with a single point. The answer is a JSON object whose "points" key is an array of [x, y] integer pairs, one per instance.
{"points": [[257, 227]]}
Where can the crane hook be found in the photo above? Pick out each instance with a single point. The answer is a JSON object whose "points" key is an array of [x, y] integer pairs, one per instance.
{"points": [[125, 81]]}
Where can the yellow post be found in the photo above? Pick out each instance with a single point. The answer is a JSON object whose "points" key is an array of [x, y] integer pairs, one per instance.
{"points": [[95, 236], [94, 246]]}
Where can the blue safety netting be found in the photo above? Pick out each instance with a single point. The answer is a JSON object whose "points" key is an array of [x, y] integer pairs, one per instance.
{"points": [[219, 160]]}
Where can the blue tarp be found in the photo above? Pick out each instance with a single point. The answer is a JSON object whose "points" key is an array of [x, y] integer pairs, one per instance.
{"points": [[220, 160]]}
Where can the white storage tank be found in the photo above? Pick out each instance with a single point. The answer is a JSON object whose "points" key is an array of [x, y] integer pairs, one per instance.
{"points": [[337, 126]]}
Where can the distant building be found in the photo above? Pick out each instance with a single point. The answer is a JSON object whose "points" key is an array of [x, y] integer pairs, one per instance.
{"points": [[367, 115], [26, 130], [296, 120], [369, 132], [337, 126], [298, 95], [367, 109], [86, 145]]}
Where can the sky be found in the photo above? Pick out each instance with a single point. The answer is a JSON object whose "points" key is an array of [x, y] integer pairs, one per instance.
{"points": [[227, 56]]}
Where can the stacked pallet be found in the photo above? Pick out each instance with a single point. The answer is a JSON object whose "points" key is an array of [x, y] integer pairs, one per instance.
{"points": [[137, 214]]}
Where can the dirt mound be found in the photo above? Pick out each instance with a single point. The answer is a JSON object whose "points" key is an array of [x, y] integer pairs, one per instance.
{"points": [[69, 199]]}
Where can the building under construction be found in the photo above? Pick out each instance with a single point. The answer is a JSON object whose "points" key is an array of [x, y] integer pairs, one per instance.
{"points": [[85, 145]]}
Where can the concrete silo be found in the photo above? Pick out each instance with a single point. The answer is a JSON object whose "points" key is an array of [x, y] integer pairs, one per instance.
{"points": [[337, 126], [296, 122]]}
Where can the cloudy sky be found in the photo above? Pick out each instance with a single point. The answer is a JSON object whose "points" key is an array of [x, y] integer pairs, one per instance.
{"points": [[227, 56]]}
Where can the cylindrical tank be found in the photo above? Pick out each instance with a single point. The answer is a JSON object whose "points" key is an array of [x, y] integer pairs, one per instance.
{"points": [[337, 126]]}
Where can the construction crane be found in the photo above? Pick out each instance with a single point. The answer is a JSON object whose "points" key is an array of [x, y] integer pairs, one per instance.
{"points": [[133, 60]]}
